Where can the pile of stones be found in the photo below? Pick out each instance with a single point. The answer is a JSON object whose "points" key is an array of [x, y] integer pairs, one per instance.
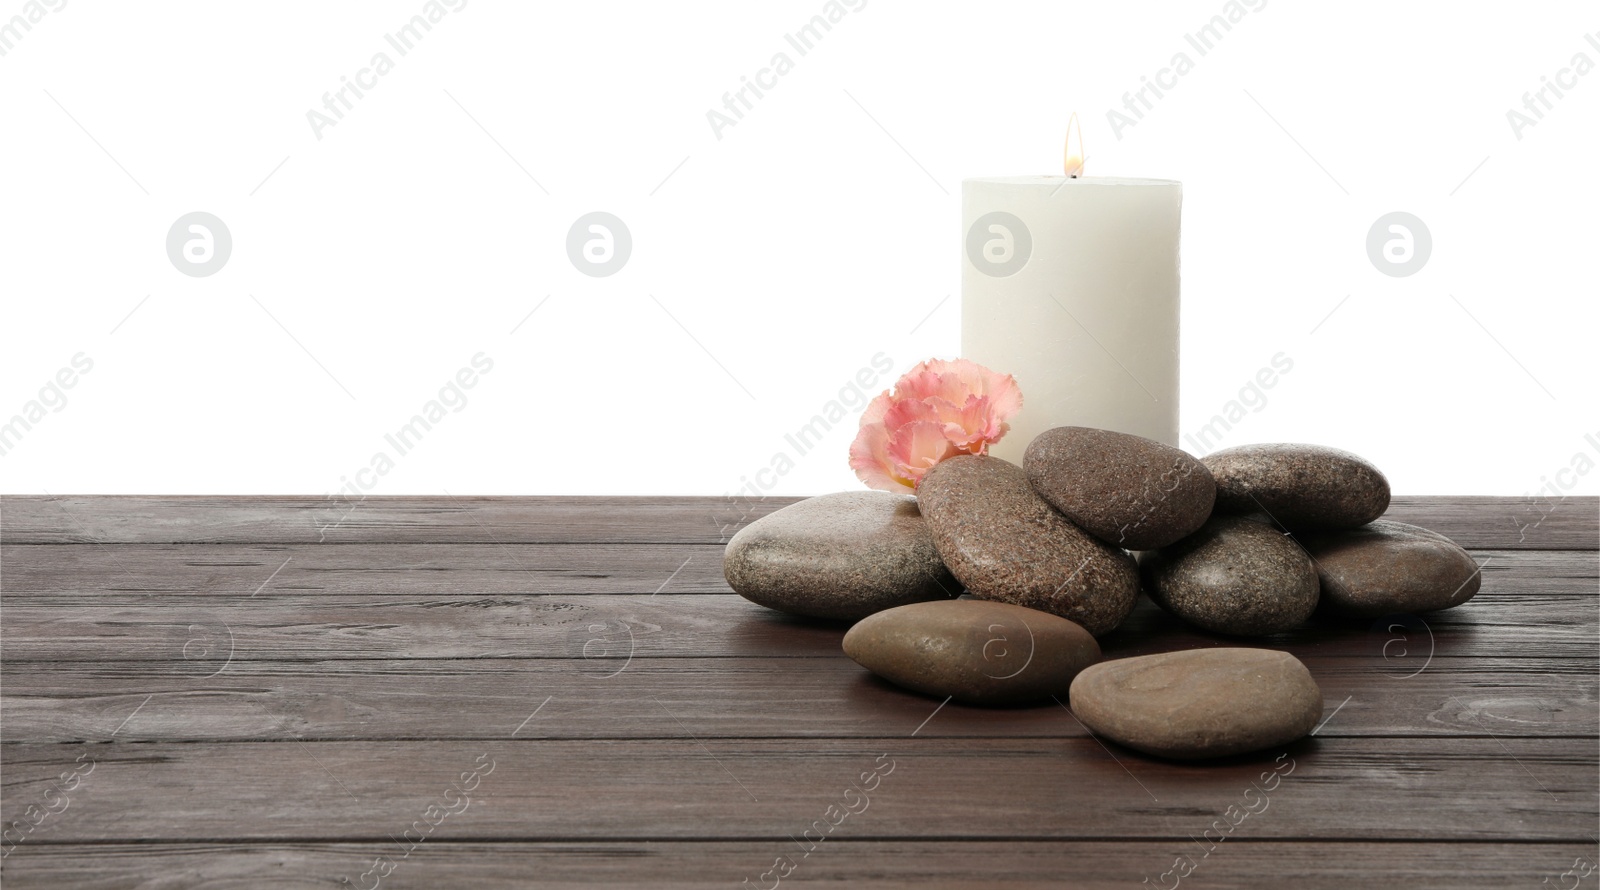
{"points": [[1246, 542]]}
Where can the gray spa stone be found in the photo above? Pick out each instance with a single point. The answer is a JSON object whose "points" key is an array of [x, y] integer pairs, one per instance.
{"points": [[842, 556], [1005, 543], [1199, 703], [1302, 487], [1126, 490], [976, 651], [1233, 576], [1390, 568]]}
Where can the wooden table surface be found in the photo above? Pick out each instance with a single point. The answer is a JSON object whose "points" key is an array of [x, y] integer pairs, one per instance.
{"points": [[505, 692]]}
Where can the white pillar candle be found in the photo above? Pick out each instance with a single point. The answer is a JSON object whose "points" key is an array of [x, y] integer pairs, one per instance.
{"points": [[1071, 285]]}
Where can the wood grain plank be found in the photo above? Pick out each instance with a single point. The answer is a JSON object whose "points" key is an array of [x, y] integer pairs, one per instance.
{"points": [[245, 519], [719, 697], [265, 571], [273, 676], [186, 627], [1506, 523], [1512, 523], [839, 861], [745, 789]]}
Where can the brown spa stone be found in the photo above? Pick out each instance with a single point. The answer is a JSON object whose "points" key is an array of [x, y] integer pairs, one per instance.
{"points": [[1126, 490], [1005, 543], [1233, 576], [1199, 703], [1390, 568], [1302, 487], [842, 556], [977, 651]]}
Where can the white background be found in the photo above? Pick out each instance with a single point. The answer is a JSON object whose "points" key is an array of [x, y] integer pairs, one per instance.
{"points": [[772, 264]]}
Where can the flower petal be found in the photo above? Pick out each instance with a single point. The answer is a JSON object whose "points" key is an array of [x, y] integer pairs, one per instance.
{"points": [[973, 426], [876, 408], [916, 447], [907, 411], [869, 457], [920, 382], [936, 410], [1005, 396]]}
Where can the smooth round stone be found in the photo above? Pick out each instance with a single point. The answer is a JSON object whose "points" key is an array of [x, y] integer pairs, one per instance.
{"points": [[1390, 568], [1199, 703], [1302, 487], [1233, 576], [977, 651], [841, 556], [1005, 543], [1126, 490]]}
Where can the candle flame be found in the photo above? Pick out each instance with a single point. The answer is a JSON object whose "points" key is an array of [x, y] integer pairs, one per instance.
{"points": [[1074, 157]]}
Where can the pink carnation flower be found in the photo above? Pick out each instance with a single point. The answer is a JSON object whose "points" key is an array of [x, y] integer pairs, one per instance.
{"points": [[939, 409]]}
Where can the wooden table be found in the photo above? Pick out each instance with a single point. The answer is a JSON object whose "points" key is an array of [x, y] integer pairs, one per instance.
{"points": [[496, 692]]}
